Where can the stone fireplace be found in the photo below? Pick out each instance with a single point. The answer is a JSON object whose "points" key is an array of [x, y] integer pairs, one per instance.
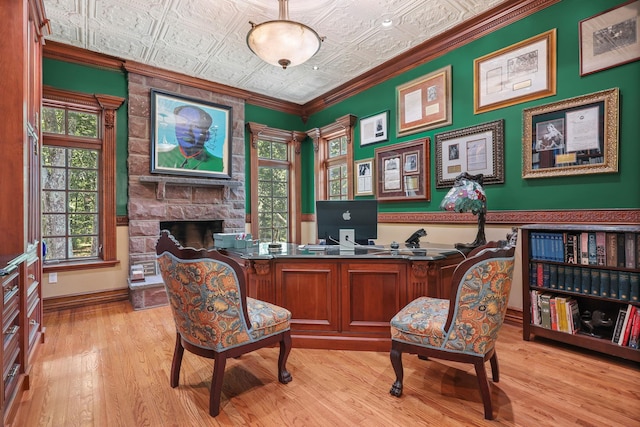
{"points": [[183, 202]]}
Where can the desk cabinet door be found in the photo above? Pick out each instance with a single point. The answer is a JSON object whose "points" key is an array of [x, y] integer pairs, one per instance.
{"points": [[310, 292], [372, 293]]}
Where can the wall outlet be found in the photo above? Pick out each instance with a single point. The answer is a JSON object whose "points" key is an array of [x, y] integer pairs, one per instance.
{"points": [[53, 277]]}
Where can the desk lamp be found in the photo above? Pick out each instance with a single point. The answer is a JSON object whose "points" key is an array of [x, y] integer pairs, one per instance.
{"points": [[467, 195]]}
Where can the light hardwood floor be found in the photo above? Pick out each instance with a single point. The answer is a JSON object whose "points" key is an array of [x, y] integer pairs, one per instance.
{"points": [[109, 366]]}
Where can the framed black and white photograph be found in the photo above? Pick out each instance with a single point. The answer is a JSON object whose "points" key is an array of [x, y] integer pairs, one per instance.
{"points": [[610, 38], [410, 163], [572, 137], [364, 181], [518, 73], [476, 149], [190, 137], [374, 128]]}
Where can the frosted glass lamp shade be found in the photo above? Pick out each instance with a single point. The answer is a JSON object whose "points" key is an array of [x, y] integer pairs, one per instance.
{"points": [[283, 43]]}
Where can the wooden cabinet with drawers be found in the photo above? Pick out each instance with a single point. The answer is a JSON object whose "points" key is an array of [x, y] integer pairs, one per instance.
{"points": [[11, 332], [21, 319], [24, 25]]}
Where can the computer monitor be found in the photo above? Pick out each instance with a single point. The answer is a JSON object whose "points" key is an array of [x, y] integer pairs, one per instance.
{"points": [[361, 216]]}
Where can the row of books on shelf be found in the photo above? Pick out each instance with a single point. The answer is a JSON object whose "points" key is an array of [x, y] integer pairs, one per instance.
{"points": [[627, 329], [562, 313], [609, 249], [621, 285], [559, 313]]}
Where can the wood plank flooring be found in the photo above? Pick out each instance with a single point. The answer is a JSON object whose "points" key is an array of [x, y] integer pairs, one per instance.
{"points": [[108, 365]]}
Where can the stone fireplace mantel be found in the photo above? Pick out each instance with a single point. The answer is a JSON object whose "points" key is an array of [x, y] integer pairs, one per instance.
{"points": [[162, 182]]}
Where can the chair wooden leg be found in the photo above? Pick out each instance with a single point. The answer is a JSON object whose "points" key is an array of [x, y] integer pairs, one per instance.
{"points": [[483, 382], [495, 370], [220, 361], [177, 362], [396, 362], [285, 347]]}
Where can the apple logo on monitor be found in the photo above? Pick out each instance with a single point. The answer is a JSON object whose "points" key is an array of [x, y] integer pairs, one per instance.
{"points": [[346, 215]]}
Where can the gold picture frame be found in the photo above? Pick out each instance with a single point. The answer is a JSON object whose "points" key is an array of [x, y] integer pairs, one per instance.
{"points": [[575, 136], [518, 73], [364, 172], [402, 171], [424, 103], [610, 38]]}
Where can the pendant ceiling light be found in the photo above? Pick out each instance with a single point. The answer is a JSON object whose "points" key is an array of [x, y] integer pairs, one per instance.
{"points": [[283, 42]]}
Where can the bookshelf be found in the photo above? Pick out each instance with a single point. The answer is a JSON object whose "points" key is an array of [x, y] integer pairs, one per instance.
{"points": [[597, 266]]}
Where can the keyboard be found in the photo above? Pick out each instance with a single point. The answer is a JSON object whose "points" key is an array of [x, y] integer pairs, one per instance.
{"points": [[315, 247]]}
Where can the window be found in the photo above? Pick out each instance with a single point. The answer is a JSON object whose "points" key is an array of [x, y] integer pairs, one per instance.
{"points": [[273, 191], [78, 171], [337, 170], [275, 198], [333, 145]]}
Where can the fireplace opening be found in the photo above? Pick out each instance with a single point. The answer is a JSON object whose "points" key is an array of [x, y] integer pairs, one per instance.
{"points": [[193, 234]]}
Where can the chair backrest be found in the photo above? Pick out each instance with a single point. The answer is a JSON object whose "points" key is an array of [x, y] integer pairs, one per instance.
{"points": [[479, 305], [207, 294]]}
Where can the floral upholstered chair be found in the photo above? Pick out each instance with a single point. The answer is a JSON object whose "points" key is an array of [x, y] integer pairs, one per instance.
{"points": [[465, 327], [214, 318]]}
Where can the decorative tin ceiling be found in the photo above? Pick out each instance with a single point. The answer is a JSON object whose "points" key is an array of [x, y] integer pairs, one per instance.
{"points": [[207, 38]]}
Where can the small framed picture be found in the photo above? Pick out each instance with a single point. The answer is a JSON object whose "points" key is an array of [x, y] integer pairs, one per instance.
{"points": [[374, 128], [364, 173]]}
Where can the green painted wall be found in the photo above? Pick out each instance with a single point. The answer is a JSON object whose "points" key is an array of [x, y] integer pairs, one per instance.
{"points": [[80, 78], [616, 190]]}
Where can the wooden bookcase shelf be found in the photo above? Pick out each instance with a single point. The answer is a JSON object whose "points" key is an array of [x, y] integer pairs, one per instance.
{"points": [[533, 256]]}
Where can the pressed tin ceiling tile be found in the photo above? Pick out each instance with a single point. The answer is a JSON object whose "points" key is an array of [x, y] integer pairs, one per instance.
{"points": [[207, 38]]}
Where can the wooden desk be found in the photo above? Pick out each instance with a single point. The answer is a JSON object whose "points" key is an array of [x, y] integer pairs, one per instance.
{"points": [[342, 300]]}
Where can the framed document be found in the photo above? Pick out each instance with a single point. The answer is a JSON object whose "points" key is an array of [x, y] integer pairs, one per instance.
{"points": [[572, 137], [424, 103], [518, 73], [402, 171], [476, 149]]}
